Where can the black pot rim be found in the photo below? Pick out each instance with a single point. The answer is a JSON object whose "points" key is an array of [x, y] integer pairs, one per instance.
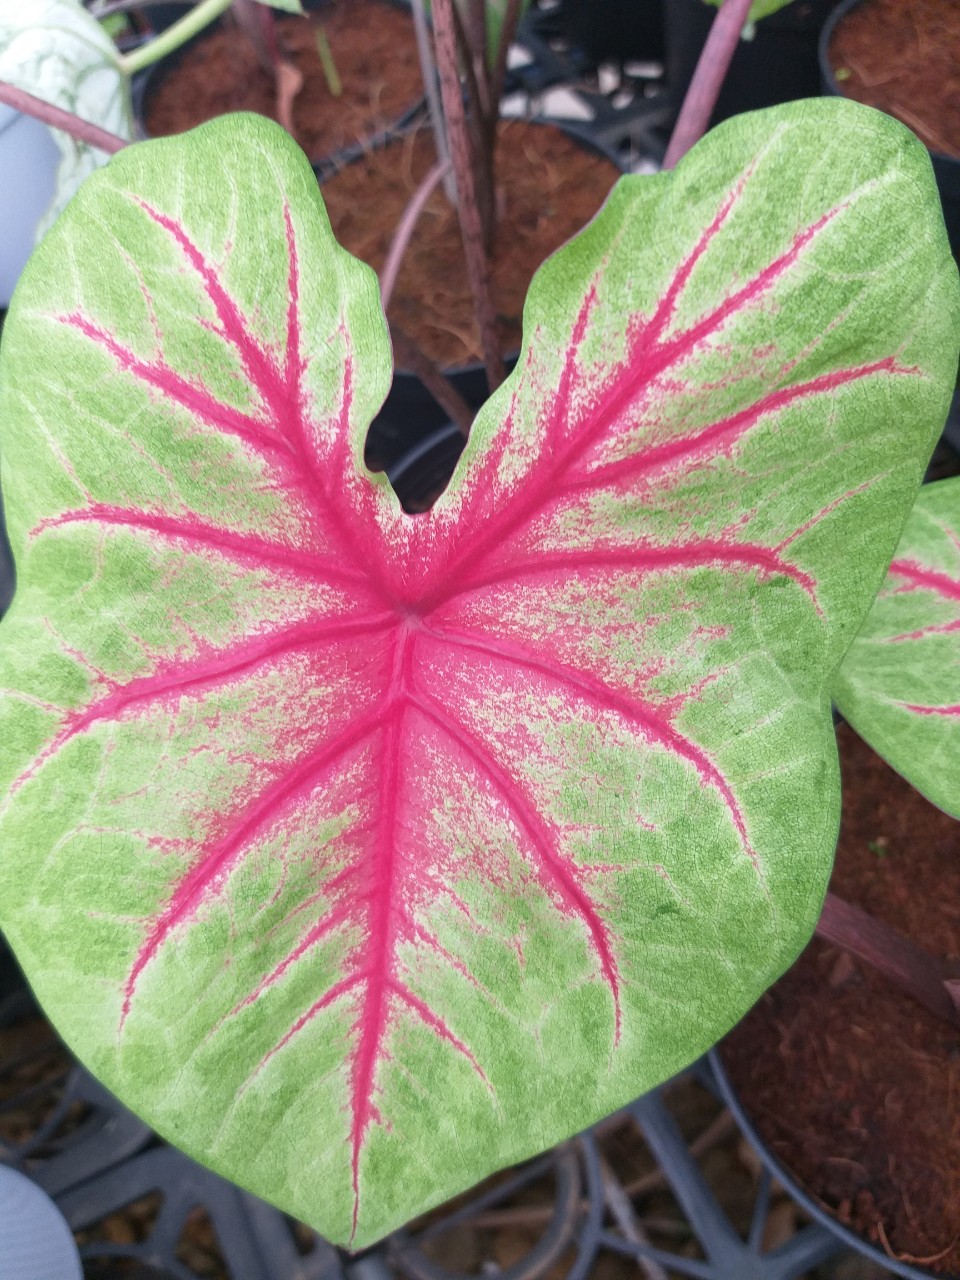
{"points": [[830, 82], [851, 1239]]}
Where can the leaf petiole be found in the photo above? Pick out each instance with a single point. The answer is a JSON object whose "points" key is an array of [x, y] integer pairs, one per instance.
{"points": [[179, 33]]}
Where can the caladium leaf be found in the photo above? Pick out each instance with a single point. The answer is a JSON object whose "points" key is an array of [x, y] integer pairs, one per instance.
{"points": [[57, 51], [364, 853], [899, 685]]}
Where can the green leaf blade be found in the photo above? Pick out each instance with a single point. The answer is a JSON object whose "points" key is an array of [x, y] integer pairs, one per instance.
{"points": [[899, 685], [377, 834]]}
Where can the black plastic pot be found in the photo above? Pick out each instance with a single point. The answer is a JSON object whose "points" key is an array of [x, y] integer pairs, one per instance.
{"points": [[144, 85], [843, 1235], [614, 30], [412, 438], [778, 65], [945, 168]]}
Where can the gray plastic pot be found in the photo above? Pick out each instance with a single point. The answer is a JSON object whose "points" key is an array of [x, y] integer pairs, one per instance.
{"points": [[35, 1241], [28, 169]]}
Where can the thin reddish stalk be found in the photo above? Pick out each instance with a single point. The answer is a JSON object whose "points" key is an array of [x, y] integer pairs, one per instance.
{"points": [[257, 21], [912, 968], [481, 124], [701, 97], [81, 130], [477, 24], [428, 71], [471, 228], [404, 229], [441, 388]]}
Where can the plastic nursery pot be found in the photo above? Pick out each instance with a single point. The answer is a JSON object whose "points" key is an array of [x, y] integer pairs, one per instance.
{"points": [[35, 1241], [777, 65], [614, 30], [843, 1081], [946, 168], [818, 1214], [413, 440], [373, 47], [28, 168]]}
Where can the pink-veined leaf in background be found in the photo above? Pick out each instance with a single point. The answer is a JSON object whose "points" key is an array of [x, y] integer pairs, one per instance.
{"points": [[899, 684], [364, 853]]}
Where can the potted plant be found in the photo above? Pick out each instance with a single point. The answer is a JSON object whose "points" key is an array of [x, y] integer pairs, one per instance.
{"points": [[353, 78], [361, 813]]}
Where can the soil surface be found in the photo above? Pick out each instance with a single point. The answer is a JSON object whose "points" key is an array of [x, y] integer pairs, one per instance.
{"points": [[855, 1086], [374, 50], [548, 188], [903, 56]]}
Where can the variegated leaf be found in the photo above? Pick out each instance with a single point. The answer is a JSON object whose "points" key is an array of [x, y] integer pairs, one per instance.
{"points": [[899, 685], [362, 852]]}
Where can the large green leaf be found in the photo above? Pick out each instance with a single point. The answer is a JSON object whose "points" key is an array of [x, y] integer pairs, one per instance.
{"points": [[899, 685], [362, 852], [55, 50]]}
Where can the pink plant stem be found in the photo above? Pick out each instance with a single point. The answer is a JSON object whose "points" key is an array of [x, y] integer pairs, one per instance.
{"points": [[409, 355], [81, 130], [701, 97], [910, 967], [401, 236], [471, 228], [431, 86], [257, 22]]}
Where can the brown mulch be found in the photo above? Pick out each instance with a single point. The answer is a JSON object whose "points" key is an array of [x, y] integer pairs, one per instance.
{"points": [[903, 56], [855, 1086], [548, 187], [373, 48]]}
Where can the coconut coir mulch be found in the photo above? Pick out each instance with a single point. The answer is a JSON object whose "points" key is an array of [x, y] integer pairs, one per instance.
{"points": [[903, 56], [548, 187], [855, 1086], [374, 50]]}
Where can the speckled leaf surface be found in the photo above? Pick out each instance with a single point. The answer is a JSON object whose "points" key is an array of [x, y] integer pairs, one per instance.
{"points": [[362, 852], [899, 685]]}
